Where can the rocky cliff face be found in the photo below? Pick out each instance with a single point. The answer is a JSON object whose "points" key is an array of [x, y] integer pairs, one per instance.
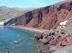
{"points": [[47, 17]]}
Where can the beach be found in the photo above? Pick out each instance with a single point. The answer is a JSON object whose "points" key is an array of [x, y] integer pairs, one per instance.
{"points": [[29, 28]]}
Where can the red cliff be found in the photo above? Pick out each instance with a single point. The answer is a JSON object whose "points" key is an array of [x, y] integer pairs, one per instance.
{"points": [[46, 18]]}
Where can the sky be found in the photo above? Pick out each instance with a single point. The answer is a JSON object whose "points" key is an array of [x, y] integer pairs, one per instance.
{"points": [[28, 3]]}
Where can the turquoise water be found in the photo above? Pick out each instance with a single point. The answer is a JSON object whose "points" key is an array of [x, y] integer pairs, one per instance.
{"points": [[9, 35]]}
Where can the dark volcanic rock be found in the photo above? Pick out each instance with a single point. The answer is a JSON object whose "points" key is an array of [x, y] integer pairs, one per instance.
{"points": [[45, 18]]}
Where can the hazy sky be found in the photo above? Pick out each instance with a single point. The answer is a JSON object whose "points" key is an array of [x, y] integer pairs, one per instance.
{"points": [[27, 3]]}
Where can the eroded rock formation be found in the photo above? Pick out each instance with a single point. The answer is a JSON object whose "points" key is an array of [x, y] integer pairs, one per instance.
{"points": [[45, 18]]}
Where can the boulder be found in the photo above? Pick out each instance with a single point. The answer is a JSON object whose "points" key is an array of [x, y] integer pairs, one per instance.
{"points": [[38, 36], [63, 44], [45, 41], [53, 42]]}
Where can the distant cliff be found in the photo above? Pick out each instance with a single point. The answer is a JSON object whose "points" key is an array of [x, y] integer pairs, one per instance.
{"points": [[47, 17], [9, 13]]}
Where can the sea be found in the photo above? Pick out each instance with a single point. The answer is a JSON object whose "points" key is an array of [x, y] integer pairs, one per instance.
{"points": [[26, 42]]}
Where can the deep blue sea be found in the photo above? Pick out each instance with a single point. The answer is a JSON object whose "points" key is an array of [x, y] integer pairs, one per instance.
{"points": [[9, 35]]}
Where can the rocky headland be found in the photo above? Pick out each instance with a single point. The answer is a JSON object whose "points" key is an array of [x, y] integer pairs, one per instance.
{"points": [[44, 18]]}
